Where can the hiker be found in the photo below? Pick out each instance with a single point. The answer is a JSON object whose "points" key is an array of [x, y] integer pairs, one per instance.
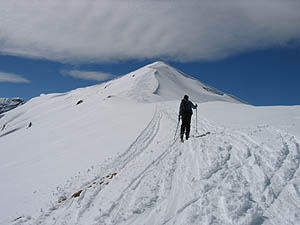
{"points": [[186, 112]]}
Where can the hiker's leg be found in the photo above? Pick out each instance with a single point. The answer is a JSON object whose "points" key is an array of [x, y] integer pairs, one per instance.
{"points": [[188, 126]]}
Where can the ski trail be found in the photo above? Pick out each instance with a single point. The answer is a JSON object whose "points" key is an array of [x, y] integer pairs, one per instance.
{"points": [[220, 176], [87, 197], [130, 159], [149, 183], [237, 185]]}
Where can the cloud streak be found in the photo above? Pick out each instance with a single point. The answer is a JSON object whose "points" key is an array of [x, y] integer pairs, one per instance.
{"points": [[106, 30], [12, 78], [88, 75]]}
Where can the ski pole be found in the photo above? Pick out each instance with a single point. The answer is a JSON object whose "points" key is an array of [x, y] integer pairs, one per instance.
{"points": [[177, 127], [196, 121]]}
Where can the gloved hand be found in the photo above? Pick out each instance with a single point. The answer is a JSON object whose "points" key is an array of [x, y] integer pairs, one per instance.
{"points": [[196, 105], [178, 117]]}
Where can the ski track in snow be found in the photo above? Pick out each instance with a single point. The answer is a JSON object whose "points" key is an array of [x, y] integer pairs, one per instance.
{"points": [[227, 176]]}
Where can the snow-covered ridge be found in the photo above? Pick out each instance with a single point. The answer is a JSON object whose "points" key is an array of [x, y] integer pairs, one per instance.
{"points": [[7, 104], [173, 84], [159, 82]]}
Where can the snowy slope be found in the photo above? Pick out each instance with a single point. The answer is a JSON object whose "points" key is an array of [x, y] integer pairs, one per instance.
{"points": [[113, 159], [161, 82], [173, 84], [64, 139]]}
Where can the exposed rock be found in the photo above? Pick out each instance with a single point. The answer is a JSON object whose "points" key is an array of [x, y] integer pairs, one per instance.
{"points": [[7, 104], [77, 194], [79, 102]]}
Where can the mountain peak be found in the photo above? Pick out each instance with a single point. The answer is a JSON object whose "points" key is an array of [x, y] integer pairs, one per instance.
{"points": [[157, 63], [159, 81]]}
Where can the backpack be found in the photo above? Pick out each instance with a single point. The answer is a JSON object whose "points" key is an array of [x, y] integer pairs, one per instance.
{"points": [[185, 107]]}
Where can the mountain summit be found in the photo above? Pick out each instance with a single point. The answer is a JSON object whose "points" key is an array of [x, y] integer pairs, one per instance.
{"points": [[161, 82]]}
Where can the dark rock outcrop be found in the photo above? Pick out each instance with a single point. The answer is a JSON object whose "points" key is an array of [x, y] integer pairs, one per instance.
{"points": [[7, 104]]}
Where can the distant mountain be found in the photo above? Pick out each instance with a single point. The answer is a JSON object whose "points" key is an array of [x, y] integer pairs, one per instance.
{"points": [[7, 104]]}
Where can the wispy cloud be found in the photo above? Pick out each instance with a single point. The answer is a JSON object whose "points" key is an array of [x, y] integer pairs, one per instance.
{"points": [[88, 75], [182, 30], [12, 78]]}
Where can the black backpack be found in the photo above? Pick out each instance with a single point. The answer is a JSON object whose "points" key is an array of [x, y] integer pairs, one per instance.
{"points": [[185, 107]]}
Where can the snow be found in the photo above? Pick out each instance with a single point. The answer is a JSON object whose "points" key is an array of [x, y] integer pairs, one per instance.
{"points": [[115, 153], [64, 139]]}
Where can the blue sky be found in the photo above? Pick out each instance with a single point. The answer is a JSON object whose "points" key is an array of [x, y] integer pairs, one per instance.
{"points": [[269, 77], [246, 48]]}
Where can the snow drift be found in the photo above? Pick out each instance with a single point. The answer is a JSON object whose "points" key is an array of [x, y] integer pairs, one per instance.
{"points": [[106, 154]]}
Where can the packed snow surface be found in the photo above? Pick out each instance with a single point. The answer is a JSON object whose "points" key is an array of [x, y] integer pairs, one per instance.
{"points": [[108, 154]]}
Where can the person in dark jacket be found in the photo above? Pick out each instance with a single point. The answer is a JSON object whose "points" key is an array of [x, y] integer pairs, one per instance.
{"points": [[186, 112]]}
